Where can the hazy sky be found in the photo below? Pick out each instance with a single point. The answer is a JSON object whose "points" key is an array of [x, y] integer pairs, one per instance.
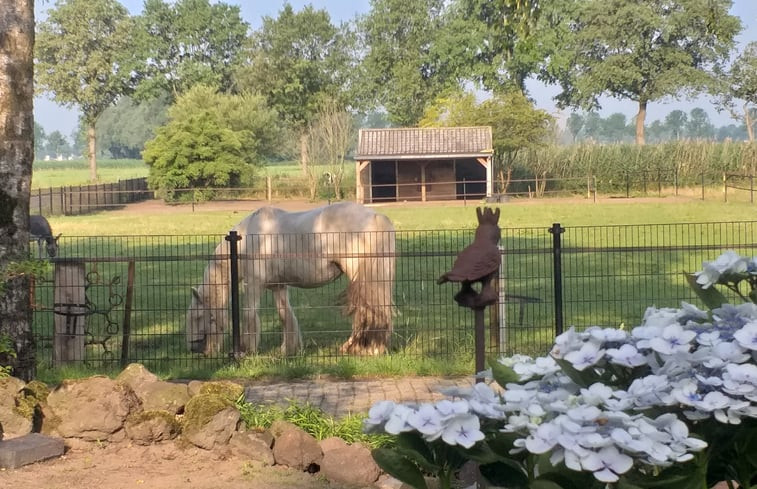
{"points": [[53, 117]]}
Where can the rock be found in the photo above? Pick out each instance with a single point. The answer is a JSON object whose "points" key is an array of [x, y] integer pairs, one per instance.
{"points": [[136, 376], [194, 387], [28, 449], [15, 422], [210, 420], [93, 409], [332, 443], [251, 446], [164, 396], [279, 427], [297, 449], [224, 388], [148, 427], [352, 464]]}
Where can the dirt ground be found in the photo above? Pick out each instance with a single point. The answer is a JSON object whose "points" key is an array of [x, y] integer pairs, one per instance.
{"points": [[163, 466]]}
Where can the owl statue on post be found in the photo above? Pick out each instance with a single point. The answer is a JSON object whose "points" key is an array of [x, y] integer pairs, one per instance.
{"points": [[478, 263]]}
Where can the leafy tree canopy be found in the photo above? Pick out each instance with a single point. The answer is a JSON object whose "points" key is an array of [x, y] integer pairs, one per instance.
{"points": [[406, 61], [741, 84], [85, 58], [296, 61], [124, 128], [187, 42], [643, 50], [211, 140]]}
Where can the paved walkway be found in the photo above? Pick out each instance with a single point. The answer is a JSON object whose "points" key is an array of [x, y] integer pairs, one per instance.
{"points": [[340, 398]]}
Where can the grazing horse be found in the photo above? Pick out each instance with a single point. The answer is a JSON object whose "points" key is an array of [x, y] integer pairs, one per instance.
{"points": [[40, 230], [279, 249]]}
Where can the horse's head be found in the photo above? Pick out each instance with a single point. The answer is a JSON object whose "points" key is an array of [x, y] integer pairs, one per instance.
{"points": [[52, 245], [200, 322]]}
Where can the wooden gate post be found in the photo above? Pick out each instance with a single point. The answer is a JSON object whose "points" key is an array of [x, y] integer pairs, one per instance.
{"points": [[69, 312]]}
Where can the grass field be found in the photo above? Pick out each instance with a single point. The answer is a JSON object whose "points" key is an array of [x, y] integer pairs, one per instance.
{"points": [[432, 335]]}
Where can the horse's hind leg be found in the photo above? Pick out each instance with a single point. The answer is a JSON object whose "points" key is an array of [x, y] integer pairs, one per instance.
{"points": [[250, 328], [292, 340]]}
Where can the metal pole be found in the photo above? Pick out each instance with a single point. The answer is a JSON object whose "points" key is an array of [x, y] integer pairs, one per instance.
{"points": [[233, 238], [480, 341], [556, 231]]}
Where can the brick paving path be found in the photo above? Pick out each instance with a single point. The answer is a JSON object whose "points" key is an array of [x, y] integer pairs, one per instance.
{"points": [[340, 398]]}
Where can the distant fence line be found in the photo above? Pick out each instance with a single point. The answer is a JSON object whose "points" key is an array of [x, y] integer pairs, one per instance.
{"points": [[82, 199], [125, 298]]}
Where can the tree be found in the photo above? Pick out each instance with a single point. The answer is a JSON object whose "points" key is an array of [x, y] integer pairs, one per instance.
{"points": [[699, 126], [574, 124], [39, 140], [124, 128], [330, 137], [741, 84], [86, 57], [643, 51], [296, 61], [516, 124], [57, 144], [675, 123], [211, 141], [400, 72], [187, 43], [17, 154]]}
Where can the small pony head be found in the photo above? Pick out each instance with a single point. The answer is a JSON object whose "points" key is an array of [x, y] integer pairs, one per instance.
{"points": [[52, 245], [200, 321]]}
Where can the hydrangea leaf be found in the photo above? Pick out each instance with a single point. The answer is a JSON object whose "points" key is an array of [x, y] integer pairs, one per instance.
{"points": [[584, 378], [502, 374], [399, 467], [505, 473], [711, 297]]}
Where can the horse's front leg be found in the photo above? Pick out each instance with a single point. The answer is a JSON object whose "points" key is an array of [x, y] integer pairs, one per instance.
{"points": [[292, 341]]}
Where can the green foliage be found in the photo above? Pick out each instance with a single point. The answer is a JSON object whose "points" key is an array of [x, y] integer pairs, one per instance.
{"points": [[7, 352], [296, 61], [405, 67], [84, 54], [311, 419], [123, 129], [641, 51], [186, 43], [211, 141]]}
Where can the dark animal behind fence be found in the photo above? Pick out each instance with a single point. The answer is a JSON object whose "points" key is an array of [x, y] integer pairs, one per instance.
{"points": [[40, 230]]}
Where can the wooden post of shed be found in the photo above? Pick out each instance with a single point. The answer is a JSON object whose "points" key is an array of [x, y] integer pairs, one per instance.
{"points": [[69, 311]]}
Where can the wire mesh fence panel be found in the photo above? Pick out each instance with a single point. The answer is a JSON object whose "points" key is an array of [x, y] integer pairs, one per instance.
{"points": [[111, 300]]}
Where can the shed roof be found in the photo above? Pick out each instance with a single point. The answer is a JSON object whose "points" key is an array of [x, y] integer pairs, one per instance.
{"points": [[424, 143]]}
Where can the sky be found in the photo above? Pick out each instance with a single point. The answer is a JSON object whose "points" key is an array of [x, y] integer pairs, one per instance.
{"points": [[53, 117]]}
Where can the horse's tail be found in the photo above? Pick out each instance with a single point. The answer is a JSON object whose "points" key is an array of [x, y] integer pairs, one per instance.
{"points": [[370, 292]]}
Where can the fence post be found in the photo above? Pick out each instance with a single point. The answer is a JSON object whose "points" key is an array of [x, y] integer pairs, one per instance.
{"points": [[751, 189], [556, 231], [702, 185], [233, 238]]}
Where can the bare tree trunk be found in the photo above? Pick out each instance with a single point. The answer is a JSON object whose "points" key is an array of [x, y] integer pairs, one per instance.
{"points": [[91, 147], [640, 117], [16, 153]]}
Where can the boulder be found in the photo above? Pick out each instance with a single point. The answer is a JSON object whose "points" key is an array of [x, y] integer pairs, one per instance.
{"points": [[136, 376], [164, 396], [15, 422], [224, 388], [210, 420], [332, 443], [92, 409], [297, 449], [250, 445], [148, 427], [352, 464]]}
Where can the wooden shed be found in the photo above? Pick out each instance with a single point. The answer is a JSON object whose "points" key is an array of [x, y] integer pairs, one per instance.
{"points": [[422, 164]]}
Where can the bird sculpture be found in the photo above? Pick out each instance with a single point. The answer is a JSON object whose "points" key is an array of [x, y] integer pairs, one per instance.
{"points": [[478, 263]]}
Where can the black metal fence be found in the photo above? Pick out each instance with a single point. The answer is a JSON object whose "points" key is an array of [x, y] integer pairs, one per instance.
{"points": [[111, 300], [82, 199]]}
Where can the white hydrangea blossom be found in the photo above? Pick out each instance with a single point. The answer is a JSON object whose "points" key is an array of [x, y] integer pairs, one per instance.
{"points": [[680, 361]]}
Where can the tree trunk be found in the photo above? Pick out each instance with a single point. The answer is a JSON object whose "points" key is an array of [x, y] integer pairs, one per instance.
{"points": [[749, 123], [16, 155], [640, 117], [91, 140], [304, 157]]}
